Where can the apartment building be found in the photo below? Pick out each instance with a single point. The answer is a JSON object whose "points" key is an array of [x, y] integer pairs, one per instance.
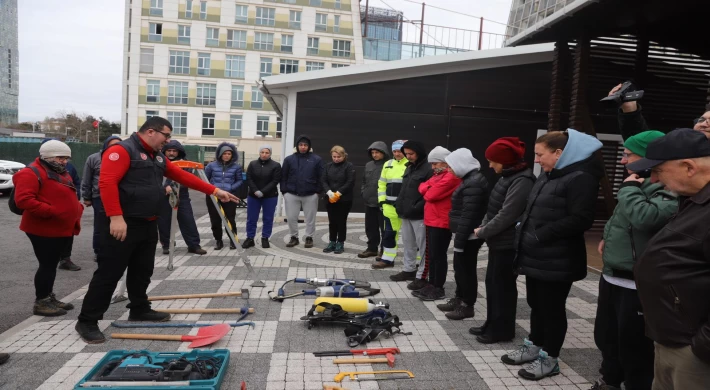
{"points": [[9, 62], [196, 62]]}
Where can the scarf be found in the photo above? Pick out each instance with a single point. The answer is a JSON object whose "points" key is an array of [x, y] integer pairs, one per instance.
{"points": [[54, 166]]}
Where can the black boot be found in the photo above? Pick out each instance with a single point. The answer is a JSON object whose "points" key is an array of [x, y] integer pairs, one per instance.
{"points": [[293, 242], [4, 357], [265, 242], [166, 251], [478, 330], [309, 242], [90, 333], [68, 265], [218, 245], [45, 307], [150, 315], [197, 250], [60, 304], [248, 243]]}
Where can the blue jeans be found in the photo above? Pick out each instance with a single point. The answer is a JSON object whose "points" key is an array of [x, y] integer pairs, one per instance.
{"points": [[99, 222], [254, 206], [186, 223]]}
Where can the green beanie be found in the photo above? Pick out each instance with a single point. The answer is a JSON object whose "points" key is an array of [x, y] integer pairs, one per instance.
{"points": [[639, 142]]}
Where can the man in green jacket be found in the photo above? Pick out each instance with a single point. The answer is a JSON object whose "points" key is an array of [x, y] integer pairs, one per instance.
{"points": [[643, 209]]}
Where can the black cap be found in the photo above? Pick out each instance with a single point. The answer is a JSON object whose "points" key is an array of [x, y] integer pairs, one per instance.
{"points": [[677, 145]]}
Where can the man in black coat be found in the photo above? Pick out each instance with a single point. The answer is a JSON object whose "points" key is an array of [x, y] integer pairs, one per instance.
{"points": [[263, 177]]}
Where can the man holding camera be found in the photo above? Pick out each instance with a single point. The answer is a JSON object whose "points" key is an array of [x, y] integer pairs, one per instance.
{"points": [[643, 209]]}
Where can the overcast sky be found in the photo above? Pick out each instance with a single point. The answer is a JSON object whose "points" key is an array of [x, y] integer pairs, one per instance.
{"points": [[71, 50]]}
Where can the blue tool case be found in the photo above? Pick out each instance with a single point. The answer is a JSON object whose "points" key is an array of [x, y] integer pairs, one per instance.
{"points": [[160, 367]]}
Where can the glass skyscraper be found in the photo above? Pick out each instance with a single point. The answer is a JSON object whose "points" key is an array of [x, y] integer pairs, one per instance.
{"points": [[9, 62]]}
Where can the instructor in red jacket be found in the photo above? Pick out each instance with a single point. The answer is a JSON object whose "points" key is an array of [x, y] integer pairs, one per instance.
{"points": [[131, 190]]}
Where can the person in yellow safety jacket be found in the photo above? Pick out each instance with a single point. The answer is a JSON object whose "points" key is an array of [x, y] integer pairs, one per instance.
{"points": [[387, 191]]}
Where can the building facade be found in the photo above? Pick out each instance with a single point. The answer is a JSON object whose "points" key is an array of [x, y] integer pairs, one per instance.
{"points": [[525, 13], [9, 62], [196, 62]]}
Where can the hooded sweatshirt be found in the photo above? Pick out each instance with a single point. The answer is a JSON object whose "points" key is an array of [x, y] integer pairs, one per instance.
{"points": [[175, 144], [92, 169], [560, 208], [226, 176], [371, 175], [469, 200], [301, 172], [410, 203]]}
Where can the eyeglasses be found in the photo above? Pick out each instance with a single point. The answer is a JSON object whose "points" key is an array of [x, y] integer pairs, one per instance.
{"points": [[702, 120], [166, 135], [627, 155]]}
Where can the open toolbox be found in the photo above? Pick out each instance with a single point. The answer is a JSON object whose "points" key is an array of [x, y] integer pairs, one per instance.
{"points": [[146, 370]]}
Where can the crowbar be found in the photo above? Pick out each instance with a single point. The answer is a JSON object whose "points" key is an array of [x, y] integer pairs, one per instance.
{"points": [[389, 359], [206, 311], [354, 375]]}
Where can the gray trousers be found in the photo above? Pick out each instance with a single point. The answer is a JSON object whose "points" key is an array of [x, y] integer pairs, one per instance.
{"points": [[293, 204], [413, 234]]}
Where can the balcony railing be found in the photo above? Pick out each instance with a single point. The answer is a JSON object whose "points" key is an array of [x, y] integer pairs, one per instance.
{"points": [[383, 50]]}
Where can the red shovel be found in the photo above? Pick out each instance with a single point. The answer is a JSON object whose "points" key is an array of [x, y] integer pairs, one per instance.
{"points": [[205, 336]]}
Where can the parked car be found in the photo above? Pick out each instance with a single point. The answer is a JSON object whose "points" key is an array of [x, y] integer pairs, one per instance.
{"points": [[7, 169]]}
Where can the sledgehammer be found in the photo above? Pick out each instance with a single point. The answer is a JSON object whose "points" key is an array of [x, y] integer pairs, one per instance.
{"points": [[389, 359]]}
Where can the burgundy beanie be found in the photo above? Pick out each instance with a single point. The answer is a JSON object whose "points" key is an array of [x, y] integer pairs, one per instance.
{"points": [[506, 151]]}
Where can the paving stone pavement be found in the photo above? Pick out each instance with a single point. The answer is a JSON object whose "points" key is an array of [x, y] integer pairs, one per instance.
{"points": [[276, 353]]}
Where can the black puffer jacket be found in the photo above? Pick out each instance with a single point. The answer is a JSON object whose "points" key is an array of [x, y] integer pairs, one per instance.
{"points": [[468, 207], [410, 203], [371, 175], [339, 178], [264, 176], [560, 208]]}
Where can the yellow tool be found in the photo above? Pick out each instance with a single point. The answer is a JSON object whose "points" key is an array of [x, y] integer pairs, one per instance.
{"points": [[328, 387], [351, 305], [353, 375]]}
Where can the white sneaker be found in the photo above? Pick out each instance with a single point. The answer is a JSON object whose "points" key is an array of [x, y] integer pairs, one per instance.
{"points": [[526, 353], [541, 367]]}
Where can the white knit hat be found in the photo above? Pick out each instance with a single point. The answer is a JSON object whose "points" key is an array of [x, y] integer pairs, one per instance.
{"points": [[438, 154], [54, 148]]}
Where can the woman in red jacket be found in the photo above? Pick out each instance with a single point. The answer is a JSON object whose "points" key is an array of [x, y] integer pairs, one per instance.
{"points": [[437, 195], [46, 193]]}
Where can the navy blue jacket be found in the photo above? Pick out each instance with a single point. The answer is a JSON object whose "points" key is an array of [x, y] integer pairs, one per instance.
{"points": [[301, 173], [225, 176]]}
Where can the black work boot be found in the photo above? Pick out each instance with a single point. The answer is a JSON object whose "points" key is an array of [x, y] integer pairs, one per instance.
{"points": [[60, 304], [197, 250], [166, 251], [218, 245], [68, 265], [478, 330], [309, 242], [265, 242], [89, 332], [461, 312], [150, 315], [45, 307], [293, 242], [4, 357], [248, 243], [417, 284], [450, 305], [402, 276]]}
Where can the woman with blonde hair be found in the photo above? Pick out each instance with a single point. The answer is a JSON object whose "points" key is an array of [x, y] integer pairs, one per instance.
{"points": [[338, 181]]}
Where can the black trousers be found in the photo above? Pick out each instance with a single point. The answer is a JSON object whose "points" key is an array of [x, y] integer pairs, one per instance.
{"points": [[465, 272], [438, 240], [374, 228], [627, 354], [230, 210], [548, 316], [48, 251], [338, 219], [501, 294], [136, 255], [66, 250], [186, 223]]}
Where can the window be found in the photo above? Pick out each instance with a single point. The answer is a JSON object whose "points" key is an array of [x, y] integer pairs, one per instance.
{"points": [[313, 44], [262, 125], [341, 48], [146, 60], [184, 34], [321, 22], [235, 125], [203, 10], [179, 62], [265, 67], [153, 91], [235, 67], [237, 96], [206, 94], [212, 37], [294, 19], [155, 33], [336, 23], [179, 122], [208, 124], [151, 113], [312, 65], [188, 9], [177, 92], [237, 39], [340, 65], [279, 124], [316, 3], [337, 4], [242, 14], [156, 7], [203, 64], [289, 66], [263, 41], [265, 16], [290, 1], [257, 99], [287, 43]]}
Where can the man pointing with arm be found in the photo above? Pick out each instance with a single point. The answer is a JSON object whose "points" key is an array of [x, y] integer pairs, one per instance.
{"points": [[131, 191]]}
